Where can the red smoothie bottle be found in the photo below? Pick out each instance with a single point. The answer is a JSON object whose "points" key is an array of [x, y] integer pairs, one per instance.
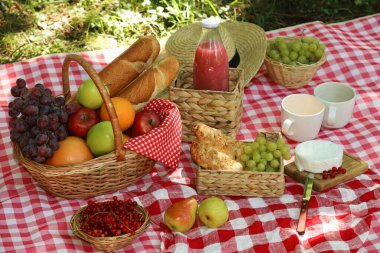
{"points": [[211, 61]]}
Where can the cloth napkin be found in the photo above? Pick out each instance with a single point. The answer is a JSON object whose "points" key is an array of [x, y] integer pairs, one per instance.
{"points": [[163, 143]]}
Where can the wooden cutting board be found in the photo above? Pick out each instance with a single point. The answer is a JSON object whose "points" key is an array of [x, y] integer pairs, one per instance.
{"points": [[353, 165]]}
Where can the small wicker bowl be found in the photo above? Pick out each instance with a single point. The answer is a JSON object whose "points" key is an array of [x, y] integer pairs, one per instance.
{"points": [[242, 183], [113, 243], [291, 76]]}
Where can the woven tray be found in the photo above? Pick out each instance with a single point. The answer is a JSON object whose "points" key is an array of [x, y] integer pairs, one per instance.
{"points": [[244, 183], [104, 174], [291, 76], [108, 244], [217, 109]]}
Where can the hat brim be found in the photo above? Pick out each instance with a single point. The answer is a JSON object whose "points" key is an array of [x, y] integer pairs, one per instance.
{"points": [[247, 39]]}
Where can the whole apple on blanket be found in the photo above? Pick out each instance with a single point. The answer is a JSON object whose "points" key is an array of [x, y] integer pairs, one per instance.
{"points": [[180, 216], [213, 212], [144, 122], [81, 121]]}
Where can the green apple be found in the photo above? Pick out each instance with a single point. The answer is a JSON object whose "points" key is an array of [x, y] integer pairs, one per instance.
{"points": [[89, 96], [213, 212], [100, 138], [180, 216]]}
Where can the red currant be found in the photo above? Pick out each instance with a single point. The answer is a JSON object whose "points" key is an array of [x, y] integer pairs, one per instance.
{"points": [[110, 218]]}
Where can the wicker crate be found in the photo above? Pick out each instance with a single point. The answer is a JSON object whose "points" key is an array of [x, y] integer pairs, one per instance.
{"points": [[244, 183], [292, 76], [217, 109]]}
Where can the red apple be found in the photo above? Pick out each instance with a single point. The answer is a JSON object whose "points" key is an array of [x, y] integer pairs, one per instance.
{"points": [[143, 123], [81, 121]]}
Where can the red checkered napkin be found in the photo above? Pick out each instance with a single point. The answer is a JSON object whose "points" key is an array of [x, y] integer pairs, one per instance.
{"points": [[163, 143]]}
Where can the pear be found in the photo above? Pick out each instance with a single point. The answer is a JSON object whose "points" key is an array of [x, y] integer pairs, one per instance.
{"points": [[213, 212], [180, 216]]}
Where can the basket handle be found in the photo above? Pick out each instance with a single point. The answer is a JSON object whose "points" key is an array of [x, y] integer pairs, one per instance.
{"points": [[119, 150]]}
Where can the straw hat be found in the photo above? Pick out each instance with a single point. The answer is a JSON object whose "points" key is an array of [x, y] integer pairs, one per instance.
{"points": [[245, 44]]}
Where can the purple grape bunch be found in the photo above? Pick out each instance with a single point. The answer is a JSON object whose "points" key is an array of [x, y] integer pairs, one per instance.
{"points": [[38, 120]]}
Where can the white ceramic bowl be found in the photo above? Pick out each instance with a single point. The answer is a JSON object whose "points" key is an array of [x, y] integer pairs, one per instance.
{"points": [[318, 155]]}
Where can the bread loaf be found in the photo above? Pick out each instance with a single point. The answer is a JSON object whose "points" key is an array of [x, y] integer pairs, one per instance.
{"points": [[215, 151], [128, 65], [151, 82], [210, 158]]}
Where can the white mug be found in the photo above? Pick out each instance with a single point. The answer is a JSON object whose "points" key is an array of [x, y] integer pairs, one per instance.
{"points": [[301, 117], [339, 99]]}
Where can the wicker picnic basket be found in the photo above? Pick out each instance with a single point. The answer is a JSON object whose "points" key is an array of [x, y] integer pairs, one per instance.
{"points": [[292, 76], [104, 174], [242, 183], [113, 243], [217, 109]]}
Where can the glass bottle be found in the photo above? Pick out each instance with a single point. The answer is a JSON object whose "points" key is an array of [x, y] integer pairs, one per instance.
{"points": [[211, 61]]}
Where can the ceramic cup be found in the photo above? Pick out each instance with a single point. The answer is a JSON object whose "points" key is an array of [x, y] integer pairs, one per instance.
{"points": [[339, 100], [301, 117]]}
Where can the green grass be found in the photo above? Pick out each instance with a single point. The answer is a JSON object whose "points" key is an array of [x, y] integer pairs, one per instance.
{"points": [[31, 28]]}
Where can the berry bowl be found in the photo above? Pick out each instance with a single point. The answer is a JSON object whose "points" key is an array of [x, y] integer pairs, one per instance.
{"points": [[110, 225]]}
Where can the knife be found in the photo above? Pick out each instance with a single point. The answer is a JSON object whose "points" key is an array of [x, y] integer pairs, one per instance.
{"points": [[301, 227]]}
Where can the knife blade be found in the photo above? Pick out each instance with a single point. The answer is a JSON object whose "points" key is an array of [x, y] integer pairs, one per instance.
{"points": [[301, 227]]}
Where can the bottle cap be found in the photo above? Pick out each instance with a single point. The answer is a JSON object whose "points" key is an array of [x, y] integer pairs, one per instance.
{"points": [[211, 22]]}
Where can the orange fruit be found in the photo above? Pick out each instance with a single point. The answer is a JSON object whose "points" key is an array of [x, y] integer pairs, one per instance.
{"points": [[124, 111], [71, 150]]}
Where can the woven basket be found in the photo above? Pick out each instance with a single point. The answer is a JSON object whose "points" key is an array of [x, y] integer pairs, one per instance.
{"points": [[291, 76], [243, 183], [217, 109], [108, 244], [104, 174]]}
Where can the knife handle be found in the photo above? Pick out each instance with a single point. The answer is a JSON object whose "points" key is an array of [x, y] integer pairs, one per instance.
{"points": [[301, 227]]}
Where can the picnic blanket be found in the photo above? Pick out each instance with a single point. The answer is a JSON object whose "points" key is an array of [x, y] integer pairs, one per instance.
{"points": [[342, 219]]}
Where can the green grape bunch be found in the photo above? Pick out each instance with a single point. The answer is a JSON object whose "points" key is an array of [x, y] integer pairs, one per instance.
{"points": [[301, 51], [264, 155]]}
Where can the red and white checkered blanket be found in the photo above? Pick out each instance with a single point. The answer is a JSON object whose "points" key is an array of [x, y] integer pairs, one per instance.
{"points": [[344, 218]]}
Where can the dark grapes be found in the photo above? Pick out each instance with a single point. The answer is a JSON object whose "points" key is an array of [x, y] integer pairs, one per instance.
{"points": [[18, 103], [36, 92], [40, 86], [43, 121], [13, 113], [21, 126], [20, 83], [71, 107], [59, 101], [63, 117], [38, 120], [42, 139], [53, 118], [15, 91], [30, 110]]}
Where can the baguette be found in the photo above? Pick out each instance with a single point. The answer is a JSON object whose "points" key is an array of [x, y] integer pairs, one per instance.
{"points": [[151, 82], [129, 64]]}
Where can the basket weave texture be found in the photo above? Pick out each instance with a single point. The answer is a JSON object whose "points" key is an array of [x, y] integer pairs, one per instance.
{"points": [[217, 109], [113, 243], [242, 183], [104, 174], [292, 76]]}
